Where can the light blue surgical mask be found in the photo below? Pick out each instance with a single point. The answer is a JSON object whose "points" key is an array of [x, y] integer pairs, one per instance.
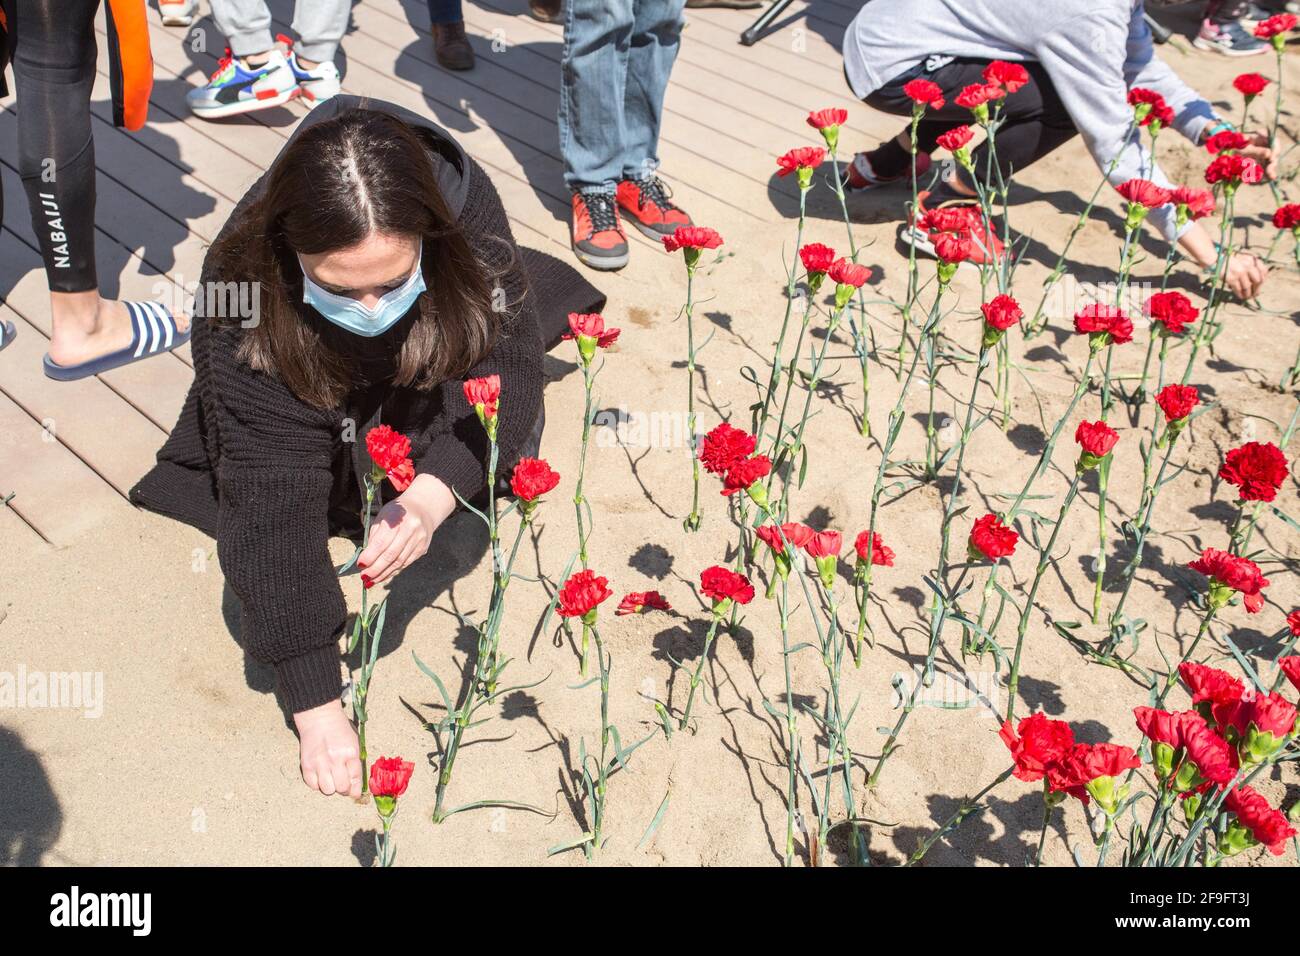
{"points": [[348, 313]]}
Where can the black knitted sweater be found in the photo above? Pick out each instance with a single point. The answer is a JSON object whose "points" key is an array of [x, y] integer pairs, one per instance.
{"points": [[271, 478]]}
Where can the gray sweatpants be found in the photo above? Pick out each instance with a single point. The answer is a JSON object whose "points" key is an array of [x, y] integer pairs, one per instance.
{"points": [[320, 25]]}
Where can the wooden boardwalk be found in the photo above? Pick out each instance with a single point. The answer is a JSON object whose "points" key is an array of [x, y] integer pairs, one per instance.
{"points": [[70, 451]]}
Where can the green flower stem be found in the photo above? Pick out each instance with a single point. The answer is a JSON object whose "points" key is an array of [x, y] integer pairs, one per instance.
{"points": [[1103, 482], [1206, 618], [1243, 526], [1146, 509], [774, 378], [860, 331], [965, 809], [1044, 562], [779, 438], [892, 431], [814, 380], [1208, 328], [588, 377], [699, 668], [913, 275], [361, 682], [1040, 466], [791, 723], [1042, 833], [692, 522], [602, 777]]}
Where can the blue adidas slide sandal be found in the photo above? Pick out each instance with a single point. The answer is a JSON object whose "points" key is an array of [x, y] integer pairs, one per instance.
{"points": [[154, 331], [7, 332]]}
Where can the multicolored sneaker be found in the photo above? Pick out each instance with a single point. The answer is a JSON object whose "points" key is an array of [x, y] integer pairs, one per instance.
{"points": [[859, 175], [237, 87], [177, 13], [597, 237], [1230, 39], [648, 205], [986, 247], [317, 84]]}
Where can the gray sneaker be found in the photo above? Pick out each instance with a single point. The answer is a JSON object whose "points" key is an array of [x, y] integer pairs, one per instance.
{"points": [[1230, 39]]}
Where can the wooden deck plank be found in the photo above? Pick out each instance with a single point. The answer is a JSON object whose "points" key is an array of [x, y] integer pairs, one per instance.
{"points": [[17, 535], [120, 454], [53, 490]]}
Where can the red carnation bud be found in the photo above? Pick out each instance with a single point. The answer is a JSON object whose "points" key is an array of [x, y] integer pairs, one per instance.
{"points": [[802, 161], [590, 333], [484, 396]]}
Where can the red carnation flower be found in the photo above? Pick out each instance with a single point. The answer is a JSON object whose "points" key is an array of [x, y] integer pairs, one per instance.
{"points": [[389, 776], [591, 326], [880, 554], [1099, 319], [1250, 84], [992, 539], [824, 544], [1230, 168], [1213, 757], [1228, 572], [846, 272], [924, 93], [1160, 726], [1155, 106], [1009, 76], [483, 395], [816, 257], [1143, 192], [1210, 683], [389, 450], [721, 584], [1267, 825], [804, 157], [745, 472], [1257, 469], [1275, 25], [1268, 713], [823, 119], [797, 534], [638, 601], [1293, 622], [951, 247], [1199, 202], [1288, 216], [1037, 743], [1001, 312], [582, 594], [1225, 140], [1291, 665], [692, 237], [1173, 310], [947, 219], [1177, 401], [532, 478], [978, 94], [723, 447], [1096, 438], [955, 138]]}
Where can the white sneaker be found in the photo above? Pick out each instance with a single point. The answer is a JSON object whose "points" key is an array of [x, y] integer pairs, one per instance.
{"points": [[317, 84], [238, 87], [177, 13]]}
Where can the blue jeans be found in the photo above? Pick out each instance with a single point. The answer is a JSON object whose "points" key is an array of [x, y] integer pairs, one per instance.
{"points": [[618, 55], [445, 11]]}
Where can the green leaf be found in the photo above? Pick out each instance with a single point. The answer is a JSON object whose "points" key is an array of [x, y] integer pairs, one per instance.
{"points": [[446, 698], [504, 804], [555, 598], [571, 845], [348, 565], [654, 824], [1245, 665]]}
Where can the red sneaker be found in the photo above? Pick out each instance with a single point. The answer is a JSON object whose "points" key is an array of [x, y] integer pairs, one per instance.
{"points": [[649, 208], [597, 237], [987, 248], [859, 174]]}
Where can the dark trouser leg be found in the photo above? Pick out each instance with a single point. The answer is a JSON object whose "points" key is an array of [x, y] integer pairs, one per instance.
{"points": [[54, 71]]}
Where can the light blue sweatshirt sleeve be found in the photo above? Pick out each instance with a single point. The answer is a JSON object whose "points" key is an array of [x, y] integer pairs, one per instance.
{"points": [[1089, 65], [1192, 113]]}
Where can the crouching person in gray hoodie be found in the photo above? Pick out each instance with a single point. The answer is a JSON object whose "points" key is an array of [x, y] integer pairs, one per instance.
{"points": [[1082, 58]]}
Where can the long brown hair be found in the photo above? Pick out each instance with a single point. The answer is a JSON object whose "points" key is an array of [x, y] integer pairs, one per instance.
{"points": [[336, 183]]}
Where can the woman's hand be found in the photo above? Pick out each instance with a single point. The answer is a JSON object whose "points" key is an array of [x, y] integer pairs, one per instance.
{"points": [[401, 532], [1244, 275], [328, 751], [1258, 151]]}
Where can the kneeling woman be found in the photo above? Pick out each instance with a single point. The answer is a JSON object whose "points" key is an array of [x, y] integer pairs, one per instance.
{"points": [[384, 273]]}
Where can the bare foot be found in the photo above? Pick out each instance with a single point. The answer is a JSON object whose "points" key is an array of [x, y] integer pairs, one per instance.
{"points": [[87, 327]]}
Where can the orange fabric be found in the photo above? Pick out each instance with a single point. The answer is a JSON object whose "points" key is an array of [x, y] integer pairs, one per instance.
{"points": [[131, 62]]}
